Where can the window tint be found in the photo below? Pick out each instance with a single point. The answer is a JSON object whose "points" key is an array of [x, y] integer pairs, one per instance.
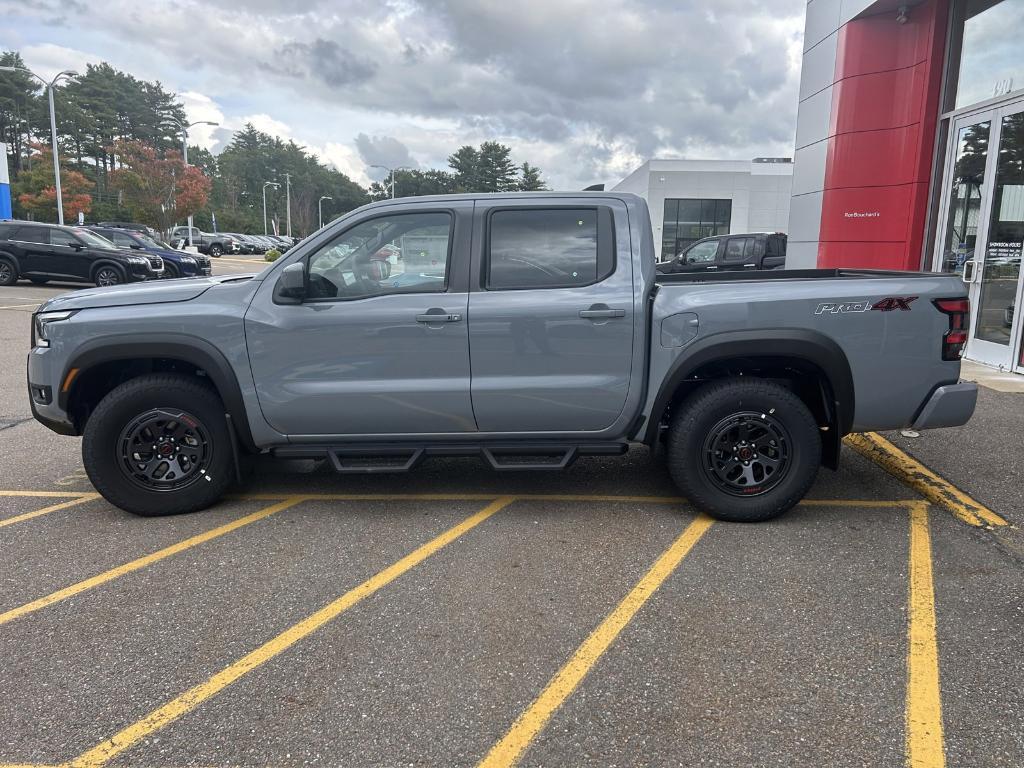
{"points": [[60, 237], [6, 231], [702, 253], [402, 253], [776, 245], [739, 248], [33, 235], [549, 248]]}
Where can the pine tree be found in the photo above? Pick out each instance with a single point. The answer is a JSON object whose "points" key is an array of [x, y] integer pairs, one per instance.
{"points": [[465, 162], [530, 180]]}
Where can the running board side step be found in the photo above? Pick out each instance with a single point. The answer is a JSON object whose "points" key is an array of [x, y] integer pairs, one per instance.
{"points": [[397, 458]]}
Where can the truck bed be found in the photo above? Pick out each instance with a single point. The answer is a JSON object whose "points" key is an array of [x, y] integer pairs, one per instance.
{"points": [[775, 275]]}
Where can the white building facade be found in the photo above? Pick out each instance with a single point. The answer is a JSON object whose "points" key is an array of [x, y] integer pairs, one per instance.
{"points": [[692, 199]]}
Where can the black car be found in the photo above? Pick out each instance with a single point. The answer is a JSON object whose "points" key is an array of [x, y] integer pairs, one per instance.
{"points": [[44, 252], [176, 263], [132, 225], [752, 250]]}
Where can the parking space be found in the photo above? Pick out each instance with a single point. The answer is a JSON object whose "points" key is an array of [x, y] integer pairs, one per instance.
{"points": [[456, 616]]}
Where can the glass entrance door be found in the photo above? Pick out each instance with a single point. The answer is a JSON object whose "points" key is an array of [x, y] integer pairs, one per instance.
{"points": [[983, 237]]}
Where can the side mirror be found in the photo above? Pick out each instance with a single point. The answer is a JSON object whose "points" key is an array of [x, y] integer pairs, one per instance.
{"points": [[291, 285], [135, 247]]}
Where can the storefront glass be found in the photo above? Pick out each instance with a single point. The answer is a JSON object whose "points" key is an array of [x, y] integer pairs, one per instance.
{"points": [[991, 63], [965, 196], [689, 220]]}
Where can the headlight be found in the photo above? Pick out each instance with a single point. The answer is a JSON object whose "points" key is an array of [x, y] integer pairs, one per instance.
{"points": [[137, 260], [188, 260], [42, 321]]}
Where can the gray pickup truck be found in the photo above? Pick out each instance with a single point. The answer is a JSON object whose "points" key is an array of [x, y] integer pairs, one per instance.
{"points": [[526, 329]]}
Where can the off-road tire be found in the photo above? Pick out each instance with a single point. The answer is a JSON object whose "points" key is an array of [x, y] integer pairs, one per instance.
{"points": [[709, 418], [102, 448], [216, 250]]}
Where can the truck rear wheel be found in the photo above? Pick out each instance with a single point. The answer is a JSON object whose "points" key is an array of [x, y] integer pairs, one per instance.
{"points": [[159, 445], [744, 450]]}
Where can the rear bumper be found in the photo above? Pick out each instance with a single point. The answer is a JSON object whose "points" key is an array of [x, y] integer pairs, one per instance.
{"points": [[951, 405]]}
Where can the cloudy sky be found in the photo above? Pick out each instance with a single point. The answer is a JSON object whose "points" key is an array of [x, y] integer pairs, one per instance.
{"points": [[586, 90]]}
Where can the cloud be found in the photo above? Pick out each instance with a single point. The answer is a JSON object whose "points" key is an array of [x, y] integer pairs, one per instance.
{"points": [[383, 150], [582, 90]]}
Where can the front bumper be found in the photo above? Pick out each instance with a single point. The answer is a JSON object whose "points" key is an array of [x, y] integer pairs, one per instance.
{"points": [[951, 405], [43, 383]]}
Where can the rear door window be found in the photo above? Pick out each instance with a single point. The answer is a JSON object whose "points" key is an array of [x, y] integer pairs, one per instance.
{"points": [[739, 248], [549, 248], [33, 235]]}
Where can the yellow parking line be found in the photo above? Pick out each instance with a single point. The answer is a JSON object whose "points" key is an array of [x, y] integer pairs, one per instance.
{"points": [[936, 489], [46, 510], [55, 494], [192, 698], [525, 729], [924, 701], [142, 562]]}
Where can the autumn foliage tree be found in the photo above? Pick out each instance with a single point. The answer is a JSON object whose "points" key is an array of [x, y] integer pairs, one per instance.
{"points": [[157, 187], [36, 192]]}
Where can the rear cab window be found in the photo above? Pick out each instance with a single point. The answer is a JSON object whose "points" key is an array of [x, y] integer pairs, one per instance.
{"points": [[537, 248]]}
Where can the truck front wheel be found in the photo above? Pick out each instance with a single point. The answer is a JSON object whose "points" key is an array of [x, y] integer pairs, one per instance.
{"points": [[744, 450], [159, 445]]}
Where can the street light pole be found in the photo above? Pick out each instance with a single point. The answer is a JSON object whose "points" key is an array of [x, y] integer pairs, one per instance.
{"points": [[320, 208], [288, 201], [183, 127], [265, 185], [53, 128], [392, 172]]}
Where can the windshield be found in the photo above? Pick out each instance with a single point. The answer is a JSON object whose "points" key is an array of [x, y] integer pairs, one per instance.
{"points": [[91, 239]]}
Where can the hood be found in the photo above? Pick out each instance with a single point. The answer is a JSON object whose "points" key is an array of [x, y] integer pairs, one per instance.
{"points": [[167, 253], [153, 292]]}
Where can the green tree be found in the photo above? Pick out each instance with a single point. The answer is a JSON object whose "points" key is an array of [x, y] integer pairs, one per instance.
{"points": [[529, 179], [497, 171], [465, 163]]}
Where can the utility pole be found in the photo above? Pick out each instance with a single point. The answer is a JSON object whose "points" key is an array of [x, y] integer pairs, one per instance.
{"points": [[392, 172], [320, 209], [266, 184], [53, 128], [183, 127], [288, 201]]}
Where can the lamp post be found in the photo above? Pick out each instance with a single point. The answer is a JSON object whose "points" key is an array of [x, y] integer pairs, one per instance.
{"points": [[392, 172], [266, 184], [53, 127], [288, 201], [320, 208], [183, 127]]}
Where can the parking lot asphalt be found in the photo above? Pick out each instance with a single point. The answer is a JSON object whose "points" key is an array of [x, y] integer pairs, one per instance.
{"points": [[456, 616]]}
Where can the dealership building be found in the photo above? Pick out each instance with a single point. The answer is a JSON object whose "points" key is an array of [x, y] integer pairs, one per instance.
{"points": [[691, 199], [910, 151]]}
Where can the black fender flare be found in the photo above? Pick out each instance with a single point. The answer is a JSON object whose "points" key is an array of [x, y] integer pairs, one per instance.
{"points": [[188, 349], [805, 345], [8, 256]]}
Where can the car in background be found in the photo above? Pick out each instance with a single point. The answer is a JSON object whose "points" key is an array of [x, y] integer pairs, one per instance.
{"points": [[176, 263], [266, 243], [281, 242], [253, 243], [44, 252], [210, 243], [132, 225], [726, 253]]}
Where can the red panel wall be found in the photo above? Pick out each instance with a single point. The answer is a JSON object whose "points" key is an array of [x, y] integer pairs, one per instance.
{"points": [[884, 110]]}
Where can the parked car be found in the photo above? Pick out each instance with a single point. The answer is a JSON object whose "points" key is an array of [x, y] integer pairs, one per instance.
{"points": [[245, 246], [752, 250], [281, 243], [44, 252], [176, 263], [255, 244], [134, 226], [266, 243], [548, 336], [211, 243]]}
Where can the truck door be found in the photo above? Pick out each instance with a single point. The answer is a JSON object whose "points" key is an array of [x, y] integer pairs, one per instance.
{"points": [[551, 315], [738, 253], [379, 344]]}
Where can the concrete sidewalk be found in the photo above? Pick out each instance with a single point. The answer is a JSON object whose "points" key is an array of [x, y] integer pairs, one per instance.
{"points": [[985, 457]]}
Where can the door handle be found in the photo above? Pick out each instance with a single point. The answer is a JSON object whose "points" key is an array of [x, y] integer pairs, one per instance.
{"points": [[595, 314], [750, 266], [968, 274], [438, 317], [713, 266]]}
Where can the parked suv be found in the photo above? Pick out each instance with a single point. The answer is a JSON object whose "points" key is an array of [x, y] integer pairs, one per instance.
{"points": [[211, 243], [132, 225], [44, 252], [752, 250], [176, 263]]}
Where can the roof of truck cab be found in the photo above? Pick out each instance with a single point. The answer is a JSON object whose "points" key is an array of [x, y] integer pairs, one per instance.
{"points": [[489, 196]]}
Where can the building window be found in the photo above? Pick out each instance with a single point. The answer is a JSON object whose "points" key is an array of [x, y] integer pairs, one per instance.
{"points": [[687, 221], [986, 52]]}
